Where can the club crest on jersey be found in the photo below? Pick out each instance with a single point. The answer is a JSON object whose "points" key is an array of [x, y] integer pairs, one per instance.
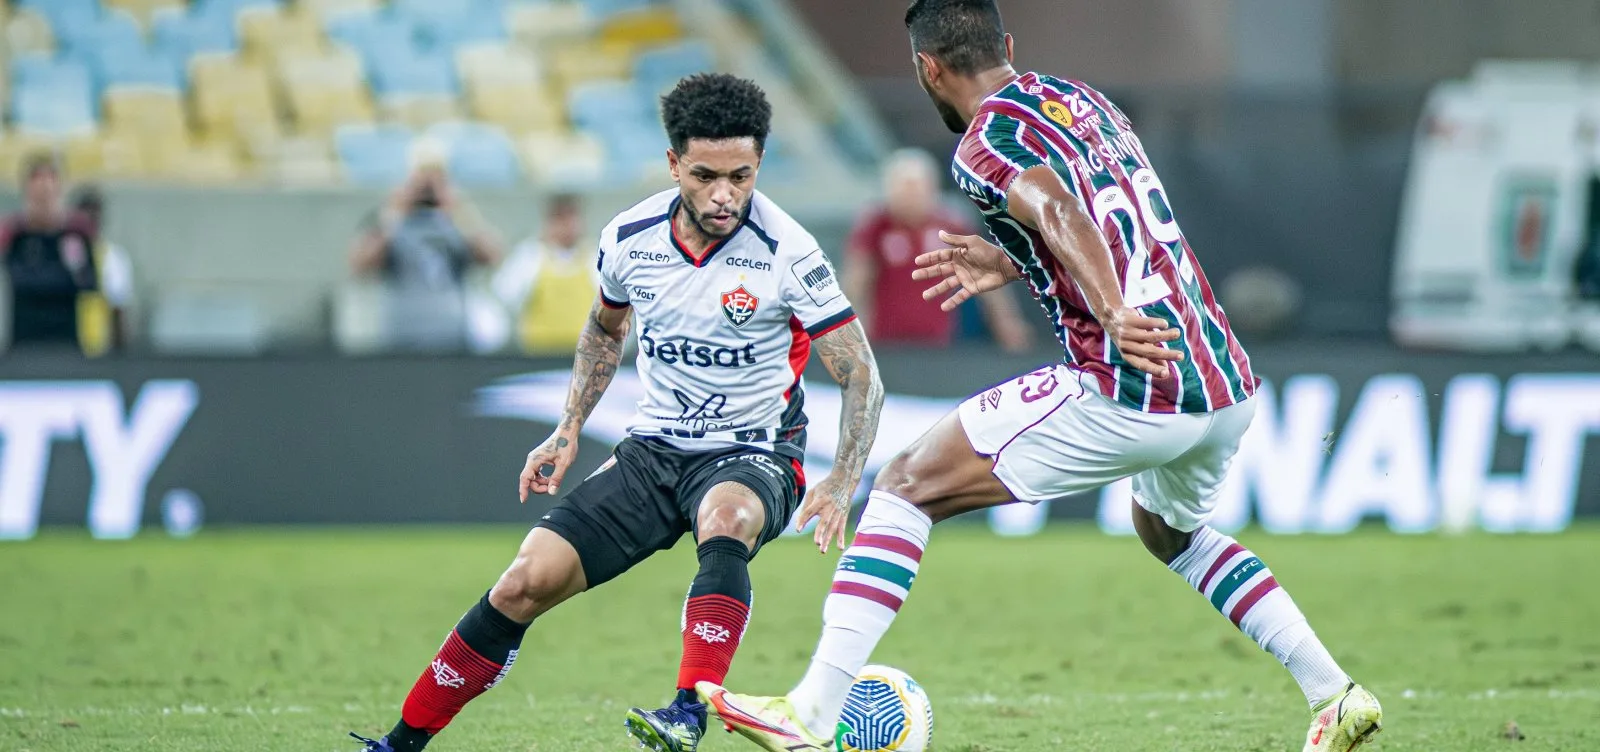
{"points": [[739, 305]]}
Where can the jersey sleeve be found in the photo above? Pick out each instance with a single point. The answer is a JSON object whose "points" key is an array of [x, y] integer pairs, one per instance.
{"points": [[613, 294], [999, 151], [811, 290]]}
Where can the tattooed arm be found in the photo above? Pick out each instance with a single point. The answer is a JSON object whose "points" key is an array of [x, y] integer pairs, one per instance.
{"points": [[593, 366], [849, 358]]}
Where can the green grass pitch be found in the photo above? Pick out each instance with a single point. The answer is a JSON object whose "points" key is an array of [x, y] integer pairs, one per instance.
{"points": [[286, 639]]}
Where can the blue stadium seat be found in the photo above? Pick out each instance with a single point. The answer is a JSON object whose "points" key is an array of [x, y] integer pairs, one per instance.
{"points": [[630, 146], [373, 155], [480, 155], [602, 104], [413, 72], [606, 8], [660, 68], [56, 100], [65, 14], [227, 9], [183, 35], [374, 35], [137, 66], [114, 28], [446, 33]]}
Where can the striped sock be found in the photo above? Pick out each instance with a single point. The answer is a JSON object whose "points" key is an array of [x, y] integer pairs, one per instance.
{"points": [[1244, 590], [872, 581]]}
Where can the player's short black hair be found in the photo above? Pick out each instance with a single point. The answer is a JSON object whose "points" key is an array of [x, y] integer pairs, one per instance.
{"points": [[715, 106], [967, 36]]}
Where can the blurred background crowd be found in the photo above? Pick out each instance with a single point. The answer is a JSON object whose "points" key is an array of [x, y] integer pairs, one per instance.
{"points": [[246, 177]]}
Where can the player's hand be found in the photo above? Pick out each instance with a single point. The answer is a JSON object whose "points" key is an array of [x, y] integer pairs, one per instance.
{"points": [[547, 464], [1140, 339], [970, 266], [829, 503]]}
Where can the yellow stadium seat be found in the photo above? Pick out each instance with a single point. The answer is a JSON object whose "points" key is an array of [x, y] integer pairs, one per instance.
{"points": [[325, 9], [233, 100], [421, 111], [325, 91], [643, 27], [82, 156], [497, 62], [533, 24], [268, 33], [161, 155], [519, 109], [143, 110], [565, 160], [209, 164], [15, 147], [572, 63], [27, 33], [143, 10], [121, 156]]}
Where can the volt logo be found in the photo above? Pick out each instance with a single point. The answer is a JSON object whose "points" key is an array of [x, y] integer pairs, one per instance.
{"points": [[124, 446]]}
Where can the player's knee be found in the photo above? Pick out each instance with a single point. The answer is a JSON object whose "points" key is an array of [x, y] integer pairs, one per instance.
{"points": [[730, 517], [1163, 541], [535, 583], [905, 478]]}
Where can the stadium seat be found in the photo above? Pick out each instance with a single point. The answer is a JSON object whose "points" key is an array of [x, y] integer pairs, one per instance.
{"points": [[29, 33], [660, 68], [480, 155], [564, 161], [533, 24], [233, 100], [572, 63], [325, 91], [16, 146], [114, 29], [144, 10], [51, 96], [421, 110], [503, 86], [447, 33], [145, 112], [183, 35], [65, 14], [327, 10], [604, 9], [228, 10], [373, 35], [411, 72], [373, 155], [121, 157], [604, 104], [306, 161], [136, 66], [656, 25], [268, 32]]}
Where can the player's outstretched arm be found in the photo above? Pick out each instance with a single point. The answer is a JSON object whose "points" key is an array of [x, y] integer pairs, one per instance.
{"points": [[849, 359], [1040, 200], [593, 367]]}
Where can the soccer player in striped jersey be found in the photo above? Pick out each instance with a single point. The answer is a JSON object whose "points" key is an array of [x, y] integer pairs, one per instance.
{"points": [[1153, 385]]}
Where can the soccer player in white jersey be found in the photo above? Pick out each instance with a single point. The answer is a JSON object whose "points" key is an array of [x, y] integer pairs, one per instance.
{"points": [[730, 295], [1153, 384]]}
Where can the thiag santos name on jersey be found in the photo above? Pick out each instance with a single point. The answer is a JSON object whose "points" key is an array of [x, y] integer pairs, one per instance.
{"points": [[682, 351]]}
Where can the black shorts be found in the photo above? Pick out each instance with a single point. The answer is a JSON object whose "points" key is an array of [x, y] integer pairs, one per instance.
{"points": [[648, 494]]}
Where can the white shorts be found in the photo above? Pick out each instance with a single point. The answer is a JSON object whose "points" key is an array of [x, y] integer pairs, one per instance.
{"points": [[1051, 436]]}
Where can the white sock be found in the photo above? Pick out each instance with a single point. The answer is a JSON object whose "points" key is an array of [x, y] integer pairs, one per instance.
{"points": [[871, 583], [1244, 590]]}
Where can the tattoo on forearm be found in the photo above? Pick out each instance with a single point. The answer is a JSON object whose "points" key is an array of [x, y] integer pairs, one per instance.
{"points": [[849, 358], [594, 365]]}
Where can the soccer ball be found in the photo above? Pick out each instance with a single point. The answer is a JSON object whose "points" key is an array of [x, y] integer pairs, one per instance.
{"points": [[887, 711]]}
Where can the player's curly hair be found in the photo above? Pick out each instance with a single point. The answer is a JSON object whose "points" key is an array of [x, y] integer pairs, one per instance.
{"points": [[715, 106], [967, 36]]}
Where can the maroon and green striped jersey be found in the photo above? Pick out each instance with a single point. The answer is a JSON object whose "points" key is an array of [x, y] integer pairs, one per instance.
{"points": [[1075, 130]]}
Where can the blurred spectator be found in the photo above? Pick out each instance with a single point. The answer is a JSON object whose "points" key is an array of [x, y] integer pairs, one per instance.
{"points": [[421, 244], [549, 283], [47, 259], [880, 254], [107, 317]]}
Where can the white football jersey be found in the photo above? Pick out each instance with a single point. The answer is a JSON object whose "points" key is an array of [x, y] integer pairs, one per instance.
{"points": [[723, 339]]}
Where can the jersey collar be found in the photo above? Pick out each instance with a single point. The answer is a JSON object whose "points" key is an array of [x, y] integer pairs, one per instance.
{"points": [[672, 232]]}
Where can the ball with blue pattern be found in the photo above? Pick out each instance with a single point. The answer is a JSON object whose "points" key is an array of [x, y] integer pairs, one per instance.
{"points": [[886, 711]]}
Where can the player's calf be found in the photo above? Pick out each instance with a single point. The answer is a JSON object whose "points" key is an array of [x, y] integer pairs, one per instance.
{"points": [[480, 651], [1240, 587]]}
